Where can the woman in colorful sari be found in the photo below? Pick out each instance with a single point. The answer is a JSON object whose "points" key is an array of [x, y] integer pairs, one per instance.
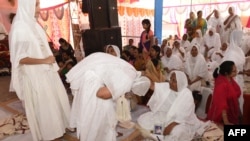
{"points": [[200, 23], [147, 36], [139, 62], [235, 53], [225, 108], [172, 109]]}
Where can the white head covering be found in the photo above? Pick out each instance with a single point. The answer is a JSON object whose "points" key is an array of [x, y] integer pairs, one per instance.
{"points": [[234, 52], [212, 29], [27, 39], [199, 32], [233, 9], [116, 48], [140, 85], [165, 50], [26, 12], [181, 80], [193, 59]]}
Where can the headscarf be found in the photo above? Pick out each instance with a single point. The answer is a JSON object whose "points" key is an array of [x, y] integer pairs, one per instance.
{"points": [[183, 106], [116, 48], [192, 58], [27, 39], [234, 52], [172, 62], [181, 80], [194, 67], [212, 41], [198, 40]]}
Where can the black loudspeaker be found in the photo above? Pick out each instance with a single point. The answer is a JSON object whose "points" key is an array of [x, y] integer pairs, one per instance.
{"points": [[94, 40], [113, 13], [102, 13], [85, 6]]}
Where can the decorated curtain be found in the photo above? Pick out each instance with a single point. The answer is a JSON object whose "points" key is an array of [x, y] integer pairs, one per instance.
{"points": [[56, 22], [176, 15]]}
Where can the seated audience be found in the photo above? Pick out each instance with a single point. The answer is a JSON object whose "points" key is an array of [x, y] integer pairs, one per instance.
{"points": [[170, 62], [196, 68], [212, 42], [172, 107], [185, 43]]}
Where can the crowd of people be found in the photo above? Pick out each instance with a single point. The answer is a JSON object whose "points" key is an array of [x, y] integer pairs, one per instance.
{"points": [[212, 53], [160, 76]]}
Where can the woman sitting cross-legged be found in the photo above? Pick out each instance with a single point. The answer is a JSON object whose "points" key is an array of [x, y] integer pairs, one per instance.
{"points": [[172, 110]]}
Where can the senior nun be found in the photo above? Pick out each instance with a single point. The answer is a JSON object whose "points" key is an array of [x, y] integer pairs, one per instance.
{"points": [[97, 82]]}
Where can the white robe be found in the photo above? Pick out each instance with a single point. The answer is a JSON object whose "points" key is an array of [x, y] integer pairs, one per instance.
{"points": [[212, 41], [95, 118], [194, 67], [234, 25], [216, 23], [216, 57], [200, 41], [38, 86], [168, 106], [186, 45], [172, 63]]}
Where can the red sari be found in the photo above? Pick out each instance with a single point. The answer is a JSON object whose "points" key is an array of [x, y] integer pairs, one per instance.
{"points": [[225, 97]]}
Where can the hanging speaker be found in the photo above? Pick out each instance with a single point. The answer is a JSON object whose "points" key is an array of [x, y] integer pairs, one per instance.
{"points": [[102, 13], [94, 40], [85, 6]]}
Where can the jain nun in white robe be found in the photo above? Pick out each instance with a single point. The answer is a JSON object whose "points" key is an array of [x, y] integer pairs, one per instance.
{"points": [[196, 69], [232, 22], [94, 117], [123, 113], [198, 39], [38, 86], [170, 61], [169, 106], [212, 42], [235, 53]]}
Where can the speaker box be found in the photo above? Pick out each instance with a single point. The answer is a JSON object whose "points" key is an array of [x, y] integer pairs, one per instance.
{"points": [[113, 13], [102, 13], [94, 40], [85, 6]]}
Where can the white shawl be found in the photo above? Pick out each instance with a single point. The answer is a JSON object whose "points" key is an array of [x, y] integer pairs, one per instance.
{"points": [[23, 44], [88, 111], [194, 67], [212, 41], [172, 63], [235, 53]]}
